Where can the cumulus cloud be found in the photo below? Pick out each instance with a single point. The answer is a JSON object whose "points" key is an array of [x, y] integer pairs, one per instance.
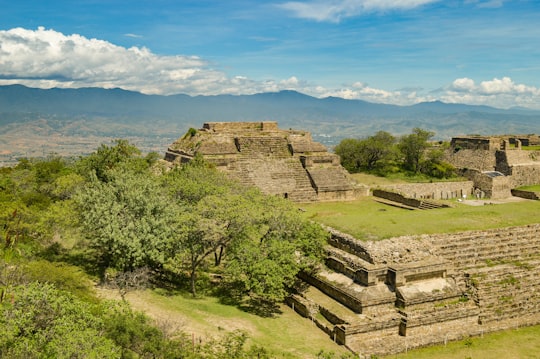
{"points": [[47, 58], [503, 93], [334, 11]]}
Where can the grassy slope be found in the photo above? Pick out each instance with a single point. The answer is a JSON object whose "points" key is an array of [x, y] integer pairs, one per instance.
{"points": [[286, 335]]}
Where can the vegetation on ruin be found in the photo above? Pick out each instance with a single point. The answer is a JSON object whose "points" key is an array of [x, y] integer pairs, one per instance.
{"points": [[533, 188]]}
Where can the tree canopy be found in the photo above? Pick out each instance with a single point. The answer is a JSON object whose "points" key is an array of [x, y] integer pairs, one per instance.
{"points": [[383, 154]]}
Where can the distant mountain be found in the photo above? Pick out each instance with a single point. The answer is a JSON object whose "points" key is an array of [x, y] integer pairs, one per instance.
{"points": [[112, 113]]}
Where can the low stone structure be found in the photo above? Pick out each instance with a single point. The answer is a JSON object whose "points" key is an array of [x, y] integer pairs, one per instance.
{"points": [[279, 162], [496, 164], [435, 190], [388, 296]]}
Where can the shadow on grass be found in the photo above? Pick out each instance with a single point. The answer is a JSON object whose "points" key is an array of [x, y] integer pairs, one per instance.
{"points": [[231, 294], [78, 257]]}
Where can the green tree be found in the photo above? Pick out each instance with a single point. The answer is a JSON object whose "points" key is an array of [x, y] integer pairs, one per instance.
{"points": [[413, 148], [260, 241], [107, 158], [349, 152], [367, 154], [280, 243], [42, 322], [128, 220], [377, 150]]}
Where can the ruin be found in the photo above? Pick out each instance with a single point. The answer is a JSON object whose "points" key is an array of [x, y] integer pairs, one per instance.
{"points": [[496, 165], [285, 163], [388, 296], [385, 297]]}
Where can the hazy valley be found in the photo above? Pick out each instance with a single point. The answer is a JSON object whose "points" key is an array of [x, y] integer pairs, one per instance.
{"points": [[36, 122]]}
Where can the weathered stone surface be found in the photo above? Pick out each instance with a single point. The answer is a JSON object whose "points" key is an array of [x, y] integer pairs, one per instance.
{"points": [[412, 291], [279, 162], [478, 157]]}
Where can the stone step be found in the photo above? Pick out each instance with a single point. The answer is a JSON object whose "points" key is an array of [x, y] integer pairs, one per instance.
{"points": [[336, 312]]}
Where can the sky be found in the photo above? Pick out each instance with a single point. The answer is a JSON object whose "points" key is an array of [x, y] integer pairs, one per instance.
{"points": [[482, 52]]}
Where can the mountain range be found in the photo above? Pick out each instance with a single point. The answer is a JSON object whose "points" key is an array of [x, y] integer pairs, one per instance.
{"points": [[75, 121]]}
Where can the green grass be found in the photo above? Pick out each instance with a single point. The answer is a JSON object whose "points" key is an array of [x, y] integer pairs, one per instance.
{"points": [[511, 344], [367, 219], [533, 188], [531, 148], [286, 335]]}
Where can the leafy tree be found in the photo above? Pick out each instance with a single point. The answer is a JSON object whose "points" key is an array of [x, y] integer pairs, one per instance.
{"points": [[194, 243], [107, 158], [264, 263], [128, 220], [367, 154], [193, 181], [349, 152], [42, 322], [261, 241], [413, 148]]}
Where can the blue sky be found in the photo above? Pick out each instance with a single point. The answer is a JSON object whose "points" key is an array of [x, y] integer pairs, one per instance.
{"points": [[389, 51]]}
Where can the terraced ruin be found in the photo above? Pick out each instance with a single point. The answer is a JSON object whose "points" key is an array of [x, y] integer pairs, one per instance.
{"points": [[388, 296], [287, 163]]}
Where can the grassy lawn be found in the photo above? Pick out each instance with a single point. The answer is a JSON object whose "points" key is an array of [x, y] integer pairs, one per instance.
{"points": [[534, 188], [512, 344], [287, 335], [367, 219]]}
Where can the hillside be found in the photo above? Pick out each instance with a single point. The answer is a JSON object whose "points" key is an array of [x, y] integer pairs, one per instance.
{"points": [[36, 122]]}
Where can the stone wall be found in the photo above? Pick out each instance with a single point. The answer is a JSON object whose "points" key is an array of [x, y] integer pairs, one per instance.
{"points": [[483, 160], [413, 291], [486, 185], [474, 156], [476, 143], [437, 190], [526, 194], [236, 127]]}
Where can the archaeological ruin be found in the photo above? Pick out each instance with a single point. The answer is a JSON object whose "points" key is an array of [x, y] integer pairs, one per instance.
{"points": [[388, 296], [279, 162]]}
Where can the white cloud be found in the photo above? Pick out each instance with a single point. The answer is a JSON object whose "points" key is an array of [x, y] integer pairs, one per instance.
{"points": [[47, 58], [502, 93], [334, 11]]}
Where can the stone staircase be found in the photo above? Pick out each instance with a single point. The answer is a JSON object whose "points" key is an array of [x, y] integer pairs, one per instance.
{"points": [[377, 308], [381, 298], [274, 146], [399, 200], [481, 248], [265, 162], [506, 294]]}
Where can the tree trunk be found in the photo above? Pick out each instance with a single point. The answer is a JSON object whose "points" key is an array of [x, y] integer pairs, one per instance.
{"points": [[193, 279], [218, 257]]}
